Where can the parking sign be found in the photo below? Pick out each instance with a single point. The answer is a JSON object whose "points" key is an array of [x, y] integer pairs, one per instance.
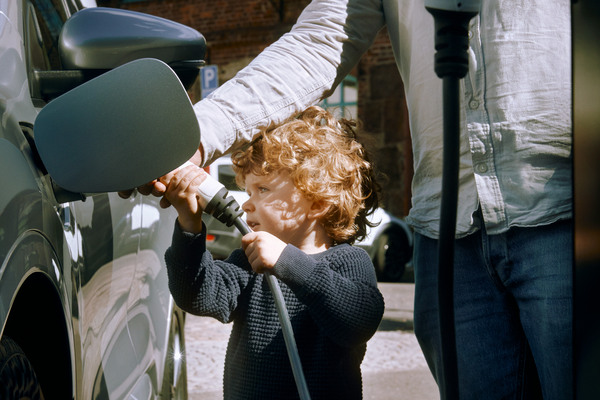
{"points": [[209, 79]]}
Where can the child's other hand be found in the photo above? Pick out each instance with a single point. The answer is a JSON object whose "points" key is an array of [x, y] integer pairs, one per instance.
{"points": [[182, 192], [262, 249]]}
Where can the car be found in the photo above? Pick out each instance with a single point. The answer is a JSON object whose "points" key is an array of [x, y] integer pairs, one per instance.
{"points": [[389, 242], [85, 310]]}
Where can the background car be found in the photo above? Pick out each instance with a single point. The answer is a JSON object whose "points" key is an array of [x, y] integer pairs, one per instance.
{"points": [[85, 310], [389, 243]]}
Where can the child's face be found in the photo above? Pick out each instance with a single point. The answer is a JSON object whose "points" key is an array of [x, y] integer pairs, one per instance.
{"points": [[278, 207]]}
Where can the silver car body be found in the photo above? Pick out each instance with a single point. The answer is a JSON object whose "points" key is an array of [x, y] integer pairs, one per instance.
{"points": [[83, 286]]}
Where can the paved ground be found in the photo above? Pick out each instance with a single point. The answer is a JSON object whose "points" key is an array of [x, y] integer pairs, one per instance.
{"points": [[393, 368]]}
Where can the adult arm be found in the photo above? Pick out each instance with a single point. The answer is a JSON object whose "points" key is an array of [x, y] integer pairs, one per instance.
{"points": [[296, 71]]}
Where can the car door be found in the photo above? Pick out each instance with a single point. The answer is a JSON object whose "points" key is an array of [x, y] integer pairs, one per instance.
{"points": [[106, 275], [124, 298], [149, 301]]}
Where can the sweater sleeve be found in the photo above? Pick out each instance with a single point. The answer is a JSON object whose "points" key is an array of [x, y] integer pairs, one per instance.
{"points": [[339, 289], [200, 285]]}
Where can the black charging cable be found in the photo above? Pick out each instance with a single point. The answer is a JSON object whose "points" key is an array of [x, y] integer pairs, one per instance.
{"points": [[216, 201], [451, 20]]}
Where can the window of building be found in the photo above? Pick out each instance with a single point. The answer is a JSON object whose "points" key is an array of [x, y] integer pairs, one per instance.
{"points": [[343, 101]]}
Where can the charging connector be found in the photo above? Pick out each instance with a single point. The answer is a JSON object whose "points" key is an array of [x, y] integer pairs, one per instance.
{"points": [[216, 201]]}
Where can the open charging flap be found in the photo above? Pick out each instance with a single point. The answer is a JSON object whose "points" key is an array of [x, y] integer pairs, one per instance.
{"points": [[118, 131]]}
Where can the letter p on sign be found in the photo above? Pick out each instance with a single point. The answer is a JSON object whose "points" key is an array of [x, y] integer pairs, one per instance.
{"points": [[209, 79]]}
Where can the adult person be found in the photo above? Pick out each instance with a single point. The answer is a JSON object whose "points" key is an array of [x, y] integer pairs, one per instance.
{"points": [[513, 248]]}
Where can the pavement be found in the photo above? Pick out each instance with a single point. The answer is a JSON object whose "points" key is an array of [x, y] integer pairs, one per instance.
{"points": [[393, 368]]}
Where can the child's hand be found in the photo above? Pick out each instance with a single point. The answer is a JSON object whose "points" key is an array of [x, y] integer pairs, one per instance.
{"points": [[182, 192], [158, 186], [262, 249]]}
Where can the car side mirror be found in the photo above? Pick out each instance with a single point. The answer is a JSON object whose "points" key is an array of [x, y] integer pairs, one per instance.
{"points": [[118, 131], [95, 40]]}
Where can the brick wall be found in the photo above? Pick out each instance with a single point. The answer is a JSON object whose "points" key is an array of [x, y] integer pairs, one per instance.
{"points": [[382, 110], [236, 31]]}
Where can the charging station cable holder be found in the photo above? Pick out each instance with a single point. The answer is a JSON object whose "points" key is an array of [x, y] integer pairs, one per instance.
{"points": [[451, 19]]}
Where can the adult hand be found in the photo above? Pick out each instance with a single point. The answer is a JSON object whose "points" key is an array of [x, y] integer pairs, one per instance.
{"points": [[158, 187], [182, 192], [262, 249]]}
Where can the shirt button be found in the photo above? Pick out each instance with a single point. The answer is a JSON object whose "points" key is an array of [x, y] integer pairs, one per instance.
{"points": [[473, 104], [481, 168]]}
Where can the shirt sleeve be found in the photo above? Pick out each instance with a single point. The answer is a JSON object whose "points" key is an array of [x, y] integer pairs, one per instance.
{"points": [[200, 285], [339, 290], [295, 72]]}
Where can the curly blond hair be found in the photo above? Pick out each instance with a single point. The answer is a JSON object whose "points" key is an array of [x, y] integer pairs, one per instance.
{"points": [[326, 163]]}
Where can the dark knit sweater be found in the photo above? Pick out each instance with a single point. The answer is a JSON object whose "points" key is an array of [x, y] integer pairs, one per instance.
{"points": [[333, 303]]}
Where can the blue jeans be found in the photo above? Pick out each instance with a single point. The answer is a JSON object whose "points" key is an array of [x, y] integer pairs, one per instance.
{"points": [[513, 311]]}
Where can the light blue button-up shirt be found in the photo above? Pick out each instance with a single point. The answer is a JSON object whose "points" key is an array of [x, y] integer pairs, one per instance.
{"points": [[516, 158]]}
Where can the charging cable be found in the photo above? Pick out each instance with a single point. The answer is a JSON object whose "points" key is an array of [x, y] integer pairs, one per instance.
{"points": [[216, 201]]}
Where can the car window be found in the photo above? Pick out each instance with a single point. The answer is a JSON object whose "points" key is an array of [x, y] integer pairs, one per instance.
{"points": [[43, 21], [50, 16], [72, 6]]}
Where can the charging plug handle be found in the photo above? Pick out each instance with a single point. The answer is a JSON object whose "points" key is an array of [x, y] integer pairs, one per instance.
{"points": [[224, 208], [451, 42], [216, 201]]}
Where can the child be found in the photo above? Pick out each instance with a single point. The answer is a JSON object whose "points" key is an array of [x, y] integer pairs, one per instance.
{"points": [[310, 188]]}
